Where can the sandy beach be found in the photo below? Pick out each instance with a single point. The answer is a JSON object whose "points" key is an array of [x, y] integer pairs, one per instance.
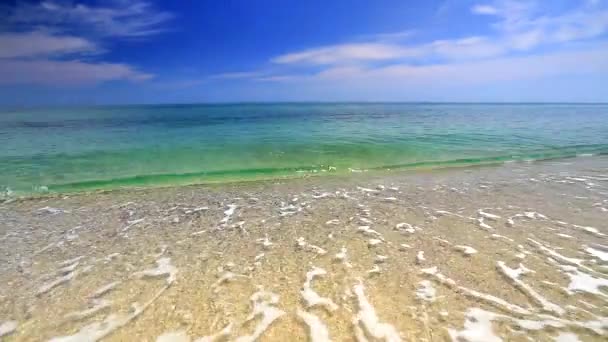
{"points": [[516, 252]]}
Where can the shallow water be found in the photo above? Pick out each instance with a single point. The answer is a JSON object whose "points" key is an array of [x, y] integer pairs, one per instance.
{"points": [[515, 252], [71, 149]]}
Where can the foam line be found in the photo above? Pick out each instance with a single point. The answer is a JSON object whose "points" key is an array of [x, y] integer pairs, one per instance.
{"points": [[312, 298], [367, 320], [317, 331]]}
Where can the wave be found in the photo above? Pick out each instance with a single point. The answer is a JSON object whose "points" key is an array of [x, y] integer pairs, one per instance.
{"points": [[254, 174]]}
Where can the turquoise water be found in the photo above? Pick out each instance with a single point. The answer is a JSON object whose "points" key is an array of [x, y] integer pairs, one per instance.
{"points": [[68, 149]]}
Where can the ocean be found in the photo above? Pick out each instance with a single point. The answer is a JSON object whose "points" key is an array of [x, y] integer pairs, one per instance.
{"points": [[87, 148]]}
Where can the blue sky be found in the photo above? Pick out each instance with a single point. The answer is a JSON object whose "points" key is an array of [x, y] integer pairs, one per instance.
{"points": [[137, 51]]}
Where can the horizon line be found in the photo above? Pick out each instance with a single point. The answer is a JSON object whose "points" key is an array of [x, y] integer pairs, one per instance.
{"points": [[219, 103]]}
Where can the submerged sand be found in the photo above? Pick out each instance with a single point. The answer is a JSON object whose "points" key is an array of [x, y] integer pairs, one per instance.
{"points": [[516, 252]]}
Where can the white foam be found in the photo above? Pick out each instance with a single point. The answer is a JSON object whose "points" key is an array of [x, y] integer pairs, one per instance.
{"points": [[564, 259], [380, 259], [317, 331], [483, 225], [404, 247], [333, 222], [52, 211], [367, 320], [406, 227], [219, 336], [389, 199], [364, 220], [312, 298], [105, 289], [8, 327], [426, 291], [565, 236], [514, 275], [597, 253], [466, 250], [488, 216], [263, 304], [265, 242], [477, 327], [174, 336], [98, 305], [584, 282], [195, 210], [499, 302], [322, 195], [375, 270], [131, 223], [366, 189], [420, 257], [71, 261], [228, 214], [288, 210], [98, 330], [163, 268], [590, 230], [567, 337], [225, 278], [498, 236], [374, 242], [366, 230], [66, 277], [301, 243], [343, 257]]}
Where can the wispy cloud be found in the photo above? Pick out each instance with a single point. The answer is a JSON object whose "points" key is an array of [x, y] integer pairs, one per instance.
{"points": [[484, 9], [344, 53], [66, 72], [116, 18], [38, 43], [522, 42], [62, 42]]}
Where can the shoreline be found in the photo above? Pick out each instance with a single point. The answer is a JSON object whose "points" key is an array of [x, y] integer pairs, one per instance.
{"points": [[436, 167]]}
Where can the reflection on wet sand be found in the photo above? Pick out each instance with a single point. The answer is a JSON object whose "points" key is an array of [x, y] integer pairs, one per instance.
{"points": [[517, 252]]}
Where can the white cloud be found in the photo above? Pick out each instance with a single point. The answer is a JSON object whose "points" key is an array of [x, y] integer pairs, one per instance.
{"points": [[36, 43], [346, 53], [484, 9], [65, 72], [519, 27], [583, 62], [127, 18], [48, 41]]}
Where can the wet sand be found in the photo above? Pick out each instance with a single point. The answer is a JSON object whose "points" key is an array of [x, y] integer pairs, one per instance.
{"points": [[517, 252]]}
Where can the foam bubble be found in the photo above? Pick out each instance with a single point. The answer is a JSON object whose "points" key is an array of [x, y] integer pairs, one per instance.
{"points": [[174, 336], [98, 305], [426, 291], [317, 331], [8, 327], [163, 268], [477, 327], [367, 320], [420, 257], [312, 298], [105, 289], [263, 304], [514, 274], [466, 250]]}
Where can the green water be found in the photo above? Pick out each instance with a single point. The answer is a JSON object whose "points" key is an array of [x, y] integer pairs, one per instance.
{"points": [[70, 149]]}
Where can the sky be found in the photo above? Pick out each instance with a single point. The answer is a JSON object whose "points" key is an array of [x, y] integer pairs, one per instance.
{"points": [[138, 51]]}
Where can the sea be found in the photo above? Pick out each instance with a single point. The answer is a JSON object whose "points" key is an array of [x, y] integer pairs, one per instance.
{"points": [[105, 147]]}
